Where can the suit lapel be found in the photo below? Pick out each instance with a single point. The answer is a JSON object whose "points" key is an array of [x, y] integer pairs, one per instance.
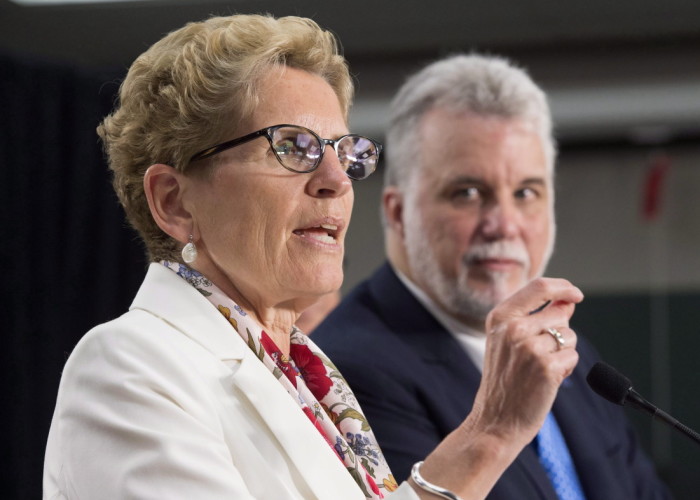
{"points": [[586, 439], [416, 326], [442, 353], [532, 477]]}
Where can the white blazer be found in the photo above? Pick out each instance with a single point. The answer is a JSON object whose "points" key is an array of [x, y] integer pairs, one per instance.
{"points": [[168, 402]]}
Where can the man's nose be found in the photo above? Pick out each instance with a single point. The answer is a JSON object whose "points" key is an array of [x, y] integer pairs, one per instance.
{"points": [[500, 220]]}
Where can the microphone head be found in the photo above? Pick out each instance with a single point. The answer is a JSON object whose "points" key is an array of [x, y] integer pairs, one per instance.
{"points": [[609, 383]]}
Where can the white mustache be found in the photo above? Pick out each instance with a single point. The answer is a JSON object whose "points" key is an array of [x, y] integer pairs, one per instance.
{"points": [[507, 250]]}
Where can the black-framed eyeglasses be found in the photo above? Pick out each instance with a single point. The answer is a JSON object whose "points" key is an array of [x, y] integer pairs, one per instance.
{"points": [[301, 150]]}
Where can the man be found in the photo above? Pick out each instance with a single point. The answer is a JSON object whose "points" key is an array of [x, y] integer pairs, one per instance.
{"points": [[468, 210]]}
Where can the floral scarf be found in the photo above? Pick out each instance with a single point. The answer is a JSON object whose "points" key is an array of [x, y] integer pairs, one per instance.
{"points": [[315, 384]]}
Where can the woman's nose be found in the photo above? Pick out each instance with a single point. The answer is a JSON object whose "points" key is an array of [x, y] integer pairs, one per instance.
{"points": [[329, 180]]}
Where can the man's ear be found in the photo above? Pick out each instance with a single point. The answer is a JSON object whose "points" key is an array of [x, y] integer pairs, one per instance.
{"points": [[392, 204], [163, 186]]}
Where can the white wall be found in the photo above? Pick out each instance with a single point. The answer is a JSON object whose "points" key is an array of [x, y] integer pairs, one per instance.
{"points": [[604, 243]]}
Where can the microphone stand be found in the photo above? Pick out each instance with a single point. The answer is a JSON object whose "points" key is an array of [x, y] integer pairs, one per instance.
{"points": [[638, 402]]}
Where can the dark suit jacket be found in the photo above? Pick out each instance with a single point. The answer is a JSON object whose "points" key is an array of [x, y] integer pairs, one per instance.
{"points": [[416, 384]]}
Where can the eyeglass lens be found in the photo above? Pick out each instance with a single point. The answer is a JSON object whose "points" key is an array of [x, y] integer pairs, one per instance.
{"points": [[300, 150]]}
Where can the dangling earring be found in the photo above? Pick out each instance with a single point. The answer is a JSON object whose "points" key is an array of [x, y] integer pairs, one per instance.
{"points": [[189, 252]]}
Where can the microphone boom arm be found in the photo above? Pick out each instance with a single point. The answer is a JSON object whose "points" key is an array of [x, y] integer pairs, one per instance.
{"points": [[616, 388]]}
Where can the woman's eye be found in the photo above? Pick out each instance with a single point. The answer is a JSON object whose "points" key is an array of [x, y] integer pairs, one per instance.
{"points": [[284, 147]]}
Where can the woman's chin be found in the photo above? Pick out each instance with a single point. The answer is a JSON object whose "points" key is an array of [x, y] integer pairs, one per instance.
{"points": [[319, 284]]}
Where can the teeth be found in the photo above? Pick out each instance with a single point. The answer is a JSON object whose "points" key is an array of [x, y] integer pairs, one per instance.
{"points": [[332, 227], [324, 238]]}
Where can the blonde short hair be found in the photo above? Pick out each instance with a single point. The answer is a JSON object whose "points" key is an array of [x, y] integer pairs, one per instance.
{"points": [[193, 88]]}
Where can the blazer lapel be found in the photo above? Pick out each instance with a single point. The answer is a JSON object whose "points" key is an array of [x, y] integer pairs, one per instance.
{"points": [[171, 298], [175, 301], [316, 462]]}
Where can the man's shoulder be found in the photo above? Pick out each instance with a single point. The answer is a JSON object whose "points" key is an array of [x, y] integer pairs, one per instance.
{"points": [[355, 320], [365, 322]]}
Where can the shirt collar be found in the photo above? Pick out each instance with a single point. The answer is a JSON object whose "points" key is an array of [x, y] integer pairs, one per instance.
{"points": [[472, 341]]}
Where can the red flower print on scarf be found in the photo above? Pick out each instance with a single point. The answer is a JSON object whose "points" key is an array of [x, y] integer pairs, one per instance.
{"points": [[373, 485], [280, 360], [312, 370], [324, 394]]}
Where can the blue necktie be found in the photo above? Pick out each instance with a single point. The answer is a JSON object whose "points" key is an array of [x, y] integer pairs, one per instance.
{"points": [[556, 460]]}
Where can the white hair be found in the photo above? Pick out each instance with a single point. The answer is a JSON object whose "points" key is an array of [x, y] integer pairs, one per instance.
{"points": [[484, 85]]}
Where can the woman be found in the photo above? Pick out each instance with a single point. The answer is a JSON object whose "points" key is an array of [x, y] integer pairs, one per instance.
{"points": [[232, 158]]}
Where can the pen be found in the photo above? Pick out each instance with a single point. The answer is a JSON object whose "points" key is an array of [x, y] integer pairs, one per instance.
{"points": [[540, 307]]}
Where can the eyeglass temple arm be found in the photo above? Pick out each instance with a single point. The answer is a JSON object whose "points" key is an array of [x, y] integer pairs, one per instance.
{"points": [[214, 150]]}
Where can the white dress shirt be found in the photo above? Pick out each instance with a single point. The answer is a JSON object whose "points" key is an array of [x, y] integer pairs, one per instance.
{"points": [[472, 341]]}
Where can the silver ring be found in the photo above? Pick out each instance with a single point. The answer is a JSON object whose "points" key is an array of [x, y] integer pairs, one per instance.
{"points": [[556, 334]]}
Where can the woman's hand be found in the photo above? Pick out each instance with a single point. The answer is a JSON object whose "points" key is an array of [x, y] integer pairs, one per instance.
{"points": [[524, 366]]}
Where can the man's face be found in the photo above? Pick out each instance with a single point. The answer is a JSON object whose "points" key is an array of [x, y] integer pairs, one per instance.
{"points": [[478, 215]]}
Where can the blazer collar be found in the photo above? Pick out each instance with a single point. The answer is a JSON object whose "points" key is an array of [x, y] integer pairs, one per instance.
{"points": [[169, 297], [317, 463]]}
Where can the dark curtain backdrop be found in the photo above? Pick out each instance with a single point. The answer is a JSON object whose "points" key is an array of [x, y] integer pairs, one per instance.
{"points": [[69, 261]]}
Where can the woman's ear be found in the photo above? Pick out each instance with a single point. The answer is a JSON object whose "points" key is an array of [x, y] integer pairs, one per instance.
{"points": [[392, 205], [163, 186]]}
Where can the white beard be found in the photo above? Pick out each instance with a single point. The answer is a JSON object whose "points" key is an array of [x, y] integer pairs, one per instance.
{"points": [[453, 293]]}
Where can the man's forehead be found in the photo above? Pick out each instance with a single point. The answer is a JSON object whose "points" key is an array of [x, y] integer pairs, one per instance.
{"points": [[441, 125]]}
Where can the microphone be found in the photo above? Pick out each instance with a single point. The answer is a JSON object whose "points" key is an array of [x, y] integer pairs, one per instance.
{"points": [[616, 388]]}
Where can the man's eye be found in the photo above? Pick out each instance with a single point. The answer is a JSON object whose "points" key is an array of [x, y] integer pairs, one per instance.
{"points": [[527, 194], [468, 193]]}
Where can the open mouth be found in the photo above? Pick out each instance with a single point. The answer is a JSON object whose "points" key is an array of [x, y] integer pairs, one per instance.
{"points": [[324, 233]]}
